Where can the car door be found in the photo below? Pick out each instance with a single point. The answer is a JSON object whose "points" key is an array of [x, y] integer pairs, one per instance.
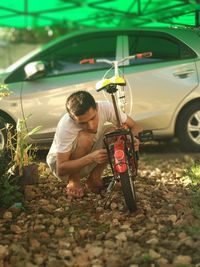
{"points": [[44, 98], [159, 83]]}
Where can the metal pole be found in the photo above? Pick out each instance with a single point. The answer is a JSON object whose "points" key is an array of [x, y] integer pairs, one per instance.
{"points": [[116, 110], [197, 18], [26, 13]]}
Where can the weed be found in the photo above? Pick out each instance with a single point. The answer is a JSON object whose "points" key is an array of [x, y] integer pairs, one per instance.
{"points": [[4, 91], [9, 193], [194, 173], [147, 258]]}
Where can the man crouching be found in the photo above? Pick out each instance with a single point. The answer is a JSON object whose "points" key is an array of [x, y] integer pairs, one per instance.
{"points": [[77, 149]]}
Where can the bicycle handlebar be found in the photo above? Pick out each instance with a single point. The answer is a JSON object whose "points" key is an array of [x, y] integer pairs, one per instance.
{"points": [[102, 60]]}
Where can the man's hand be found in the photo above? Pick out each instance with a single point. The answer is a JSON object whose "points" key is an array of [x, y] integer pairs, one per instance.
{"points": [[99, 156]]}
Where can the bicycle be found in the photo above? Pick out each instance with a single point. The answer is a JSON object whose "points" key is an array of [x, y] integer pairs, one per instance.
{"points": [[119, 143]]}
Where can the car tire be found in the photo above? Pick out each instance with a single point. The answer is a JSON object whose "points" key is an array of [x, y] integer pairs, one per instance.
{"points": [[188, 128]]}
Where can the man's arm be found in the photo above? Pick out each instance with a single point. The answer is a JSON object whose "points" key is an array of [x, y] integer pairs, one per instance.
{"points": [[135, 127], [67, 166]]}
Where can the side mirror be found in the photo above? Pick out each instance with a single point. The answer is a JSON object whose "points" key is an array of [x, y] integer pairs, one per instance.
{"points": [[34, 70]]}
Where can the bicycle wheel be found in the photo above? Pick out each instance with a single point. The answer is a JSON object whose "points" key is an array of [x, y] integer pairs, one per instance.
{"points": [[128, 191]]}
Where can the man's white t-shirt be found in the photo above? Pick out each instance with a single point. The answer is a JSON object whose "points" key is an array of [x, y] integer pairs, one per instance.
{"points": [[67, 130]]}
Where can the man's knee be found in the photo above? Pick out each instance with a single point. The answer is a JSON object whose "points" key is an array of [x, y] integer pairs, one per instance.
{"points": [[85, 140]]}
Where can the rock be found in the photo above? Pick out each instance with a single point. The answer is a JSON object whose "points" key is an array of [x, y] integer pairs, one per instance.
{"points": [[182, 259], [7, 215], [125, 227], [34, 243], [56, 221], [56, 263], [162, 262], [65, 253], [110, 244], [113, 206], [59, 232], [63, 243], [15, 229], [94, 251], [65, 221], [29, 193], [39, 259], [49, 208], [121, 237], [30, 264], [39, 227], [43, 202], [153, 241], [182, 235], [153, 254], [82, 260], [83, 233], [172, 218], [188, 159], [115, 222], [3, 252]]}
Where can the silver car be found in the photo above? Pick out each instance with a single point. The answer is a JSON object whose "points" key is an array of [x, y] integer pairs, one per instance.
{"points": [[163, 91]]}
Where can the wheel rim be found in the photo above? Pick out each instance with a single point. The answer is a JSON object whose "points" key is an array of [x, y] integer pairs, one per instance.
{"points": [[2, 140], [194, 127]]}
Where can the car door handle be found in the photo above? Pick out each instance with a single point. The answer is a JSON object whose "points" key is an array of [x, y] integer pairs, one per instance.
{"points": [[183, 73]]}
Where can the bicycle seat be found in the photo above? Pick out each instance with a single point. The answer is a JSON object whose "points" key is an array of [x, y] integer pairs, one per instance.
{"points": [[107, 83]]}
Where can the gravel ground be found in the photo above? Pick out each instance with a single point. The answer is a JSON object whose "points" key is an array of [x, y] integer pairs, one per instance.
{"points": [[52, 231]]}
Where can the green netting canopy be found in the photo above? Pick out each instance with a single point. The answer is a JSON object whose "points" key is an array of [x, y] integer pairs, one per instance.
{"points": [[99, 13]]}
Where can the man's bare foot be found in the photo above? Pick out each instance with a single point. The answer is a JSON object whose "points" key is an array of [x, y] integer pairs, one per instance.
{"points": [[74, 190]]}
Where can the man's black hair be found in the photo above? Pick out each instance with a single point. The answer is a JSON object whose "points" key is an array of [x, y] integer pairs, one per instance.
{"points": [[79, 103]]}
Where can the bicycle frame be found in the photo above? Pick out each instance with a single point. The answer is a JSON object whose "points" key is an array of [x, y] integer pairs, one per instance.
{"points": [[120, 146]]}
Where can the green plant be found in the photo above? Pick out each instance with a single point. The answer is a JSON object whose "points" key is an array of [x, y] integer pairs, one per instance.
{"points": [[194, 173], [5, 159], [24, 152], [147, 258], [4, 91], [9, 192]]}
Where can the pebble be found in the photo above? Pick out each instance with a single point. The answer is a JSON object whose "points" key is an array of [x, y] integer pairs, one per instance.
{"points": [[121, 237], [153, 254], [7, 215], [153, 241], [182, 259], [3, 251], [15, 229]]}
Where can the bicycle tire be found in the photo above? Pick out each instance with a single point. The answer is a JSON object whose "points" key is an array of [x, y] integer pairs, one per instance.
{"points": [[128, 190]]}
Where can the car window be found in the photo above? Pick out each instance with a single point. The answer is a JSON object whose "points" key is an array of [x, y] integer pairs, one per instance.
{"points": [[163, 48], [66, 57]]}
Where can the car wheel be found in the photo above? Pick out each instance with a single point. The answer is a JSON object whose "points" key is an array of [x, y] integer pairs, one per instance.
{"points": [[188, 128]]}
